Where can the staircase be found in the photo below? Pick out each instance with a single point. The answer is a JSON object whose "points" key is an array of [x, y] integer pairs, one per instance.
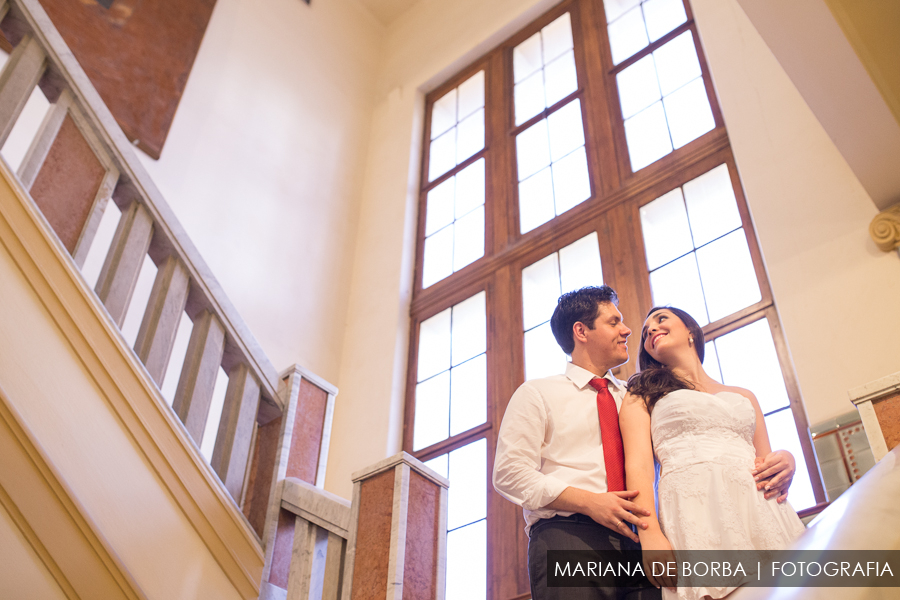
{"points": [[103, 489]]}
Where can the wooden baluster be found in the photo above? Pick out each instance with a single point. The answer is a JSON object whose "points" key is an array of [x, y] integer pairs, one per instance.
{"points": [[22, 71], [334, 567], [307, 575], [122, 266], [235, 435], [198, 376], [164, 309], [44, 139], [399, 519]]}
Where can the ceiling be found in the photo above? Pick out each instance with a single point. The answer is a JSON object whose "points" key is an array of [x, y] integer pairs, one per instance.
{"points": [[387, 11]]}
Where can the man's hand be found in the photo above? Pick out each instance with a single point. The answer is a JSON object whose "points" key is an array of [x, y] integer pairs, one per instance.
{"points": [[615, 510], [775, 473], [659, 560]]}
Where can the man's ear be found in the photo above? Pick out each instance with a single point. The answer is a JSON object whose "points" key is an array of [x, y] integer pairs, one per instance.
{"points": [[579, 330]]}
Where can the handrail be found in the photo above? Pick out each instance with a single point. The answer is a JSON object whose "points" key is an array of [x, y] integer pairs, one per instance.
{"points": [[184, 283], [318, 506], [28, 17]]}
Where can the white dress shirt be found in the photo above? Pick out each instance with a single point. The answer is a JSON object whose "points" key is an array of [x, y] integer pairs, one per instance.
{"points": [[550, 440]]}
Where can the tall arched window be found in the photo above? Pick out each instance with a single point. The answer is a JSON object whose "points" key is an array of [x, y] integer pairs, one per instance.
{"points": [[588, 148]]}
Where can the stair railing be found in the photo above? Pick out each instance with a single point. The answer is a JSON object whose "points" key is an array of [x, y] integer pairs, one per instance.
{"points": [[184, 283]]}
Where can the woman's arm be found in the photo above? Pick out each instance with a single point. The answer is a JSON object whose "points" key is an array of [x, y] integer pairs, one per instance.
{"points": [[773, 470], [634, 422]]}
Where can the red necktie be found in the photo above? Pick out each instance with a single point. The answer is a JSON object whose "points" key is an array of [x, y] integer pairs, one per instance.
{"points": [[610, 436]]}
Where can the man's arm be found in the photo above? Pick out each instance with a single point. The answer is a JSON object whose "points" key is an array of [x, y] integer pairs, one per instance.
{"points": [[517, 475]]}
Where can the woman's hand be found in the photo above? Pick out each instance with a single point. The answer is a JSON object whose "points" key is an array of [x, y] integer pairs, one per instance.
{"points": [[659, 559], [775, 472]]}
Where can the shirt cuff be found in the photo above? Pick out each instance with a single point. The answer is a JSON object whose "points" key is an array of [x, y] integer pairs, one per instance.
{"points": [[552, 488]]}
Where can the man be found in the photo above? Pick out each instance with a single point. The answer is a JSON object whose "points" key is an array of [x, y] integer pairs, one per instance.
{"points": [[552, 458], [560, 456]]}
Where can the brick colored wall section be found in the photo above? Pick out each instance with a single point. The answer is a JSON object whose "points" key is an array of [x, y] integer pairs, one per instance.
{"points": [[888, 412], [138, 54], [303, 461], [419, 579], [373, 537], [67, 184]]}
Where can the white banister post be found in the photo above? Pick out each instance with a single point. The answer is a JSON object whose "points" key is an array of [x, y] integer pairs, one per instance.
{"points": [[122, 265], [198, 376], [160, 324], [235, 435], [22, 71], [307, 574]]}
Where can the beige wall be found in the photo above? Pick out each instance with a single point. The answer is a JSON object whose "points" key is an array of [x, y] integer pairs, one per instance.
{"points": [[833, 289], [22, 573], [264, 165], [86, 440]]}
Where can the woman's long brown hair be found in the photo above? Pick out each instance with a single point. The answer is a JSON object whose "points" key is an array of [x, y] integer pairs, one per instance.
{"points": [[655, 379]]}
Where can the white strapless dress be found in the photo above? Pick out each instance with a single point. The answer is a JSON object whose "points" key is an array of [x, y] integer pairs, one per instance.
{"points": [[707, 496]]}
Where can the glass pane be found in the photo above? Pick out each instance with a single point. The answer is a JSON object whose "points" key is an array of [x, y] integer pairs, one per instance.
{"points": [[638, 87], [467, 500], [571, 183], [468, 395], [468, 239], [471, 95], [438, 465], [678, 284], [543, 356], [470, 188], [566, 130], [533, 149], [616, 8], [443, 114], [469, 329], [560, 78], [432, 420], [677, 63], [711, 362], [663, 16], [434, 345], [529, 97], [648, 137], [442, 156], [748, 359], [467, 562], [726, 270], [439, 212], [579, 264], [783, 436], [536, 201], [470, 138], [711, 205], [527, 57], [438, 257], [557, 37], [540, 290], [627, 35], [664, 224], [688, 113]]}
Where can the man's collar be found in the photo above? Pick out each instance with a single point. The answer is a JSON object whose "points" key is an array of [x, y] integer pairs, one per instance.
{"points": [[582, 377]]}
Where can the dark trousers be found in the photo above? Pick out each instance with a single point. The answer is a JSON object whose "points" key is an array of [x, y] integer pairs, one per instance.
{"points": [[579, 532]]}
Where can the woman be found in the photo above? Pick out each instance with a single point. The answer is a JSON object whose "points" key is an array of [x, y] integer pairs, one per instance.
{"points": [[711, 442]]}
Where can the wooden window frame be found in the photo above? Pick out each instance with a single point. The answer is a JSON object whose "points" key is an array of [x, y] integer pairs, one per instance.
{"points": [[612, 211]]}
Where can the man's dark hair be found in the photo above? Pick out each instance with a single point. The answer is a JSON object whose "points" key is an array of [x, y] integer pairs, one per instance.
{"points": [[581, 305]]}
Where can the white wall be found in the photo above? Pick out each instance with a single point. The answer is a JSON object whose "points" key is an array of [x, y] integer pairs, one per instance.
{"points": [[264, 161], [835, 291]]}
